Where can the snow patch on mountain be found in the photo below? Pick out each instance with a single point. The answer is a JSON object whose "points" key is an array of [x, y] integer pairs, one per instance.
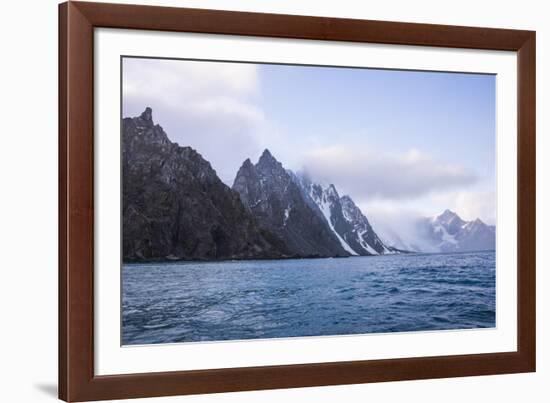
{"points": [[364, 244], [343, 217], [446, 232], [287, 214], [453, 234], [325, 209], [445, 236]]}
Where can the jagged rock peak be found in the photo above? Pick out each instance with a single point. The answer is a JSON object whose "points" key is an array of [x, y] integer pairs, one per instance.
{"points": [[448, 232], [447, 214], [267, 157], [147, 115], [268, 165], [247, 163], [272, 195], [448, 217], [172, 195], [331, 190]]}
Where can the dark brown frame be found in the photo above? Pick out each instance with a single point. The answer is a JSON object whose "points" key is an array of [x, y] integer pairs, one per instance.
{"points": [[77, 381]]}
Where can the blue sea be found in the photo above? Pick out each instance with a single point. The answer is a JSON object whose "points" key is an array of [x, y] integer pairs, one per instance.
{"points": [[237, 300]]}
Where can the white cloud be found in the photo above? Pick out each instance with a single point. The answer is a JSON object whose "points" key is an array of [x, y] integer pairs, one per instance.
{"points": [[368, 175], [174, 81], [472, 205], [210, 106], [396, 220], [397, 225]]}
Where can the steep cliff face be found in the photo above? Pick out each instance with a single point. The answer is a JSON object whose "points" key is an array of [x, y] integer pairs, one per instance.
{"points": [[276, 201], [362, 232], [343, 217], [176, 207]]}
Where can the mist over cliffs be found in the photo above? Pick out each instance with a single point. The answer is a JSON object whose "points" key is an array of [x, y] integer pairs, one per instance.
{"points": [[450, 233], [445, 233], [175, 207]]}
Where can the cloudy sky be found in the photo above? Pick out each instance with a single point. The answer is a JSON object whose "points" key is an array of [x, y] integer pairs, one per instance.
{"points": [[399, 143]]}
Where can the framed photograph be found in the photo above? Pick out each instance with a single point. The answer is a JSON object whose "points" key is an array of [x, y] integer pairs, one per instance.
{"points": [[257, 201]]}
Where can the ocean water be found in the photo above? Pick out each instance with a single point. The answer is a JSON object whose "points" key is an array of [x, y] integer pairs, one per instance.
{"points": [[236, 300]]}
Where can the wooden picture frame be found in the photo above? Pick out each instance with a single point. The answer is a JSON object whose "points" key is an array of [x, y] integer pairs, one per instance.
{"points": [[77, 381]]}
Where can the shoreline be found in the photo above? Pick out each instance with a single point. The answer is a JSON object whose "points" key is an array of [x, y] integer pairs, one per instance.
{"points": [[186, 261]]}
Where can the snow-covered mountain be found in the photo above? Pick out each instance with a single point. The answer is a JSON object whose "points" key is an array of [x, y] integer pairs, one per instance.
{"points": [[362, 229], [343, 217], [275, 200], [447, 232], [311, 219]]}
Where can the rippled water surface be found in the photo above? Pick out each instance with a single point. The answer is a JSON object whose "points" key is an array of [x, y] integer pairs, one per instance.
{"points": [[183, 302]]}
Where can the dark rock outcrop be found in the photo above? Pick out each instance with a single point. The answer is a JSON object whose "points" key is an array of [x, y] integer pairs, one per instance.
{"points": [[175, 206]]}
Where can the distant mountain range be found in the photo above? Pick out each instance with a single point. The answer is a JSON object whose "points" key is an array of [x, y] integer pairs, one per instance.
{"points": [[450, 233], [446, 232], [176, 208]]}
